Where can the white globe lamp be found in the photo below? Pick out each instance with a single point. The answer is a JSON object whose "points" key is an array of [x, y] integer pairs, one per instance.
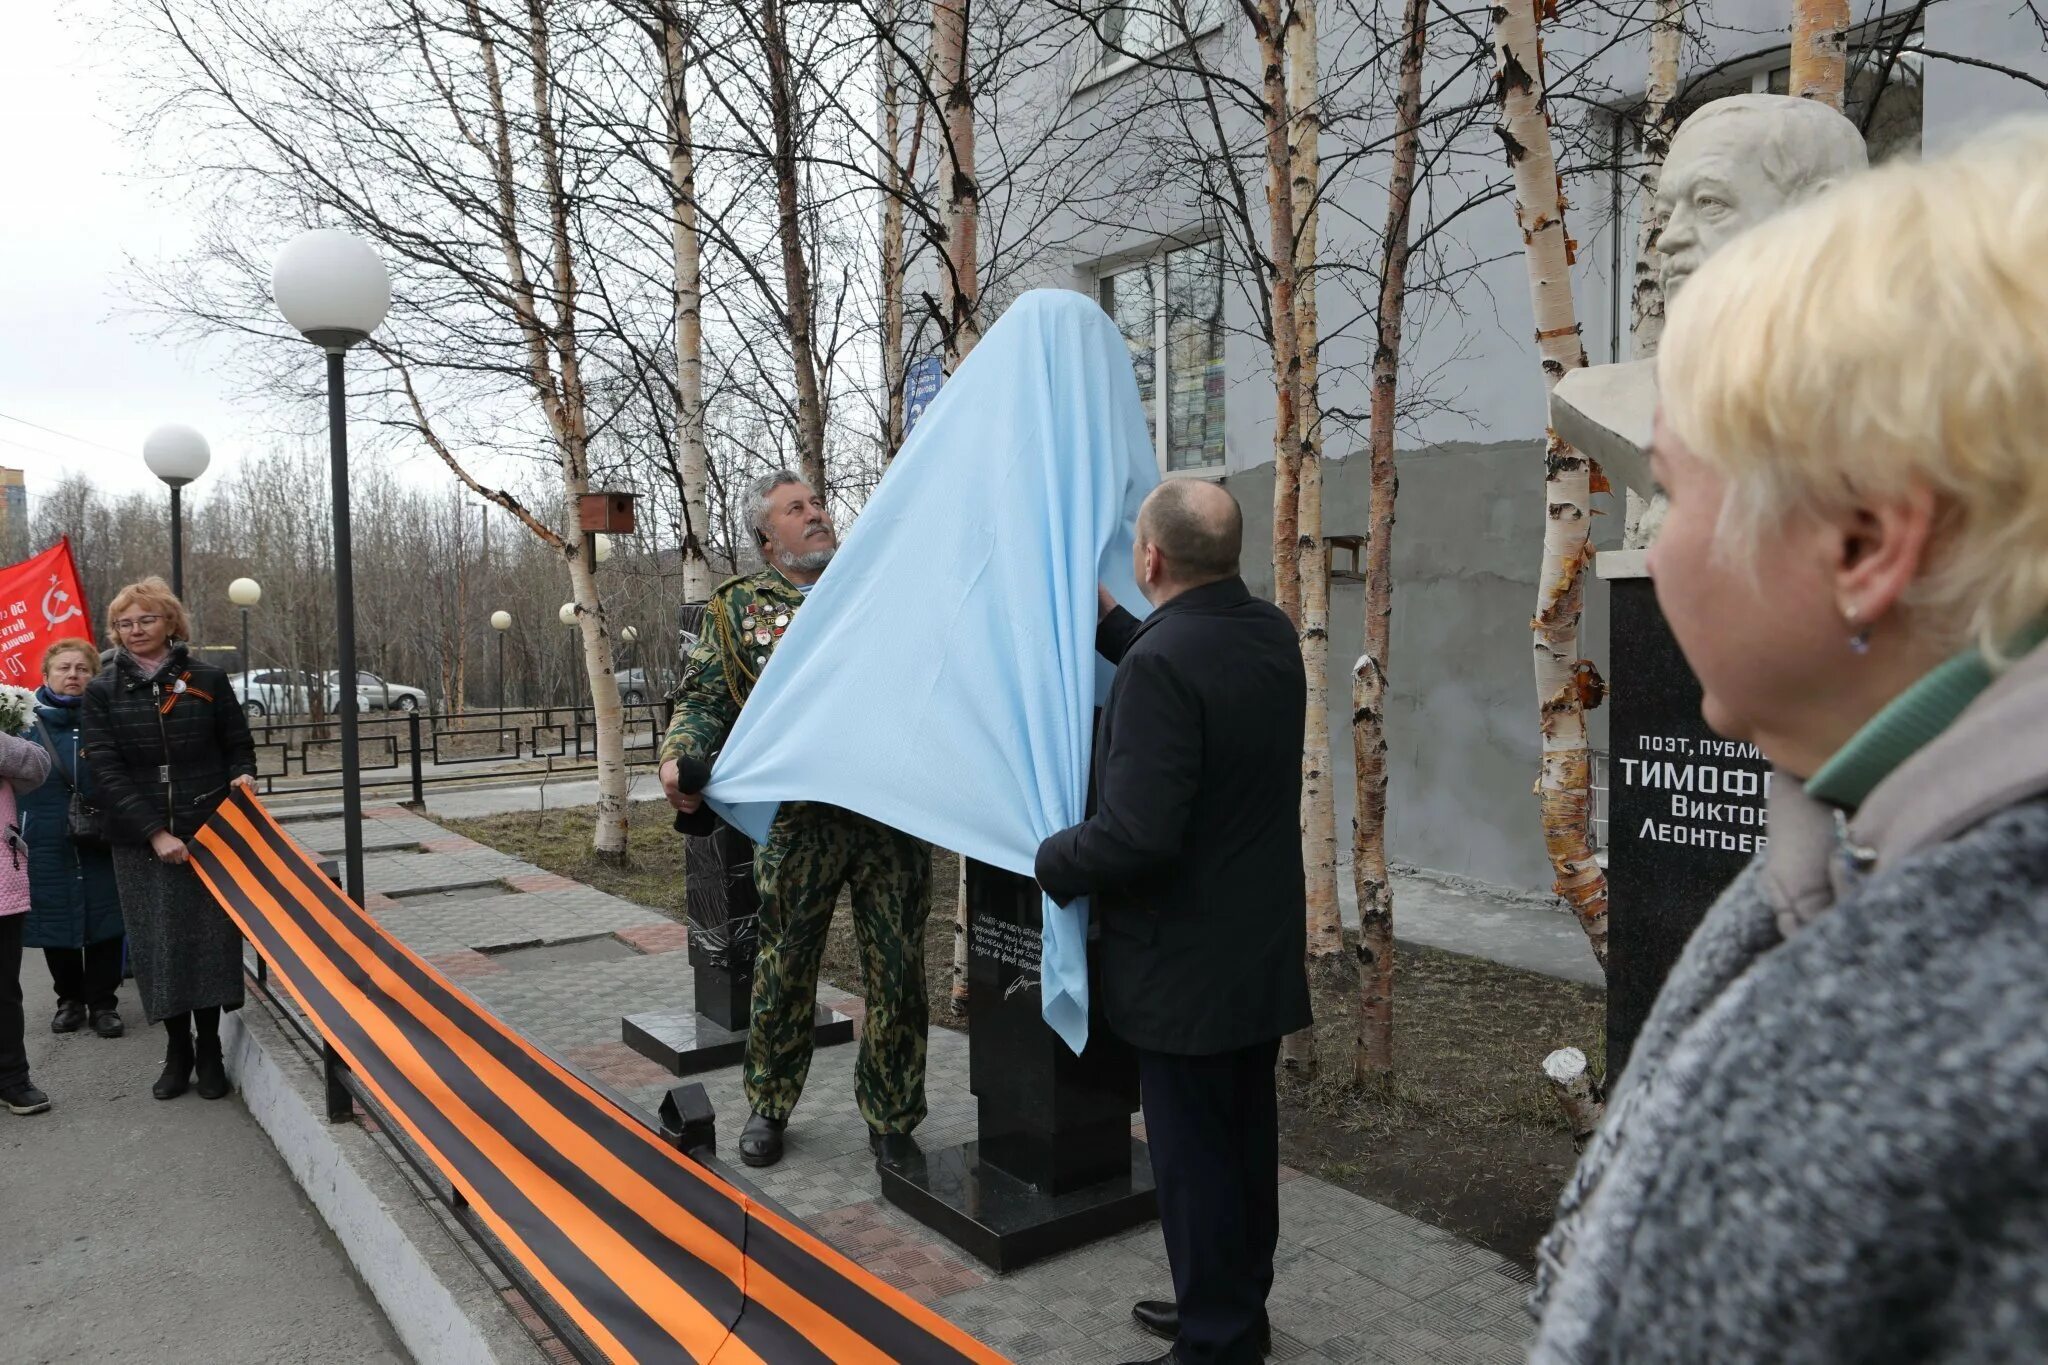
{"points": [[331, 286]]}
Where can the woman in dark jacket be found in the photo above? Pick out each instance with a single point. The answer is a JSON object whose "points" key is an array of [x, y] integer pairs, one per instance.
{"points": [[166, 738], [74, 912]]}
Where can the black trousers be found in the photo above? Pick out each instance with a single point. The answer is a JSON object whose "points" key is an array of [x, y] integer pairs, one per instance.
{"points": [[90, 975], [1213, 1124], [13, 1048]]}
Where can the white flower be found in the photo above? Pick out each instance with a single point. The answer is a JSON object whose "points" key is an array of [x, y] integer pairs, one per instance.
{"points": [[17, 709]]}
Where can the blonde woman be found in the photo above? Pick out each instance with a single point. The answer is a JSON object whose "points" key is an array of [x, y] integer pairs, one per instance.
{"points": [[1832, 1140], [166, 738]]}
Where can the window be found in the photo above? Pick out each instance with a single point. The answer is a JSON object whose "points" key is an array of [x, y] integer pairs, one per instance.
{"points": [[1137, 29], [1170, 311]]}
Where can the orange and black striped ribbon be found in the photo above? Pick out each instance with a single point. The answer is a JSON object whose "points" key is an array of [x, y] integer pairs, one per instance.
{"points": [[652, 1256]]}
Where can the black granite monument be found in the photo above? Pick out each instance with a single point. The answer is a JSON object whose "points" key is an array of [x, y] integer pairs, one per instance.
{"points": [[1055, 1165], [1685, 814], [721, 905]]}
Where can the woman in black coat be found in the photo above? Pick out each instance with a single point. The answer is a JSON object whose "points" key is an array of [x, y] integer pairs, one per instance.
{"points": [[166, 738]]}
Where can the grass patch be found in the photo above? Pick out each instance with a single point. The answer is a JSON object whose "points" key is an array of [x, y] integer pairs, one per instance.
{"points": [[1466, 1136]]}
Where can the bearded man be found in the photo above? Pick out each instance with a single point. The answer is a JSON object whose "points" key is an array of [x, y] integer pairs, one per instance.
{"points": [[813, 852]]}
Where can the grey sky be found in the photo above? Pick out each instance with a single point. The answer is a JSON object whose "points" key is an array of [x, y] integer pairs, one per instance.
{"points": [[79, 207]]}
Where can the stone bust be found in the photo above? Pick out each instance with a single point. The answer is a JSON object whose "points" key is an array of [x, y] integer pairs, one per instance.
{"points": [[1734, 163]]}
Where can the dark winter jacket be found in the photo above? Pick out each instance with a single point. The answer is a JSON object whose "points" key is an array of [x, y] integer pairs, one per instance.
{"points": [[163, 748], [72, 898], [1193, 850]]}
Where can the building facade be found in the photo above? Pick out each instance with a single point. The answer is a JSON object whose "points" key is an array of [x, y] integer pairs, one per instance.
{"points": [[1139, 210]]}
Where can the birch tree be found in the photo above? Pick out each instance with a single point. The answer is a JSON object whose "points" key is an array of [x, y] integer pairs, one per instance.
{"points": [[1659, 122], [468, 167], [950, 27], [1373, 1046], [1270, 26], [1327, 963], [1820, 51], [1565, 682], [784, 117], [895, 177], [693, 467]]}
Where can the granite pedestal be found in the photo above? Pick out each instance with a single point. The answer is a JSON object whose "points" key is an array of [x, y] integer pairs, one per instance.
{"points": [[1686, 808], [1054, 1166], [721, 904]]}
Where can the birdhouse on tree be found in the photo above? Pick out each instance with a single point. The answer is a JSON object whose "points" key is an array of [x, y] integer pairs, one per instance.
{"points": [[605, 513]]}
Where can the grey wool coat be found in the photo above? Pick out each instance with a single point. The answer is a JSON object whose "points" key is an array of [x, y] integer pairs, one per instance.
{"points": [[1831, 1143]]}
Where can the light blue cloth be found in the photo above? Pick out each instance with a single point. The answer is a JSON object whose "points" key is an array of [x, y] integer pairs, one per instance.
{"points": [[943, 678]]}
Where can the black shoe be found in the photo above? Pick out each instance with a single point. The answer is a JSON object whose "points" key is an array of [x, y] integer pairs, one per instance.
{"points": [[177, 1072], [761, 1140], [212, 1077], [892, 1149], [107, 1024], [70, 1015], [24, 1099], [1168, 1359], [1161, 1317]]}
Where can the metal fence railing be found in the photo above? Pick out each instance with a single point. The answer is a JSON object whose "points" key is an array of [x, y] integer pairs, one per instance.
{"points": [[1601, 805], [414, 750]]}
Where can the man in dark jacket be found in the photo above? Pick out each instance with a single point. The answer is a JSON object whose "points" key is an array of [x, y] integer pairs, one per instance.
{"points": [[1193, 860]]}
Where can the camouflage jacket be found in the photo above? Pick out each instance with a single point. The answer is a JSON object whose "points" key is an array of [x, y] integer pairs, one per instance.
{"points": [[742, 625]]}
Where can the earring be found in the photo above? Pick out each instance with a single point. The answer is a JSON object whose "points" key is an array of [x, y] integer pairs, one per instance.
{"points": [[1859, 638]]}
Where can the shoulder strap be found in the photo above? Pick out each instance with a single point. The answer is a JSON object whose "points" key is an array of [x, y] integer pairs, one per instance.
{"points": [[56, 760]]}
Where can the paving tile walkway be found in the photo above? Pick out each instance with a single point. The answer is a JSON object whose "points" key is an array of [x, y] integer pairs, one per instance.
{"points": [[1356, 1281]]}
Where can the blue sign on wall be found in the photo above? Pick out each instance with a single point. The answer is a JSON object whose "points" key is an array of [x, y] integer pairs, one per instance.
{"points": [[920, 386]]}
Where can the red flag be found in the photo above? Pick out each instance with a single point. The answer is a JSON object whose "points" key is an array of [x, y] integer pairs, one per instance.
{"points": [[40, 603]]}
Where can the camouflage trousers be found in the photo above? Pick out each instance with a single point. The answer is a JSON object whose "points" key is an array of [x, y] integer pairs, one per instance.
{"points": [[813, 852]]}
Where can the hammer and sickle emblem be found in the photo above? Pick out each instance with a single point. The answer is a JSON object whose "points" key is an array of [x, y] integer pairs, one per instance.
{"points": [[57, 604]]}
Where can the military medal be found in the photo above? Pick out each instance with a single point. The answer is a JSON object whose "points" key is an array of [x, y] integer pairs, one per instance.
{"points": [[762, 637], [781, 619]]}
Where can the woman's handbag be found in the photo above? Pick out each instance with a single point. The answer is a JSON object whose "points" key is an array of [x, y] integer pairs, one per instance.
{"points": [[84, 821]]}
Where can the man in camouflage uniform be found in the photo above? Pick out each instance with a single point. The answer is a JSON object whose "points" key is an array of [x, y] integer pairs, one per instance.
{"points": [[812, 852]]}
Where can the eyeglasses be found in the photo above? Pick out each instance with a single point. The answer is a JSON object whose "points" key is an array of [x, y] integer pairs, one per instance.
{"points": [[137, 623]]}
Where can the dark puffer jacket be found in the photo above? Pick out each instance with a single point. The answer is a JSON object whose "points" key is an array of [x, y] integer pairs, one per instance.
{"points": [[184, 721], [73, 900]]}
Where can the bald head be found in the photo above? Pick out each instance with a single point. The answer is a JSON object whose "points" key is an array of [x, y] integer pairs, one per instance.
{"points": [[1197, 529]]}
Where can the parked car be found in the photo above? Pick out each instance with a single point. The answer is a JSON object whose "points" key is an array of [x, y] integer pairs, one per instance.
{"points": [[283, 692], [379, 695], [635, 686]]}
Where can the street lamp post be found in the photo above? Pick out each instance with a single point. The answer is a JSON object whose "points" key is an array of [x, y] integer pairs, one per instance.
{"points": [[629, 636], [501, 621], [177, 455], [567, 616], [246, 593], [334, 290]]}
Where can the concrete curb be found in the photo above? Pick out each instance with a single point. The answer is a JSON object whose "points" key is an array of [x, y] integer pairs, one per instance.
{"points": [[438, 1301]]}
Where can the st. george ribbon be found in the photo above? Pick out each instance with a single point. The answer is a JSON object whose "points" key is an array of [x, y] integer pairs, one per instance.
{"points": [[942, 679]]}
